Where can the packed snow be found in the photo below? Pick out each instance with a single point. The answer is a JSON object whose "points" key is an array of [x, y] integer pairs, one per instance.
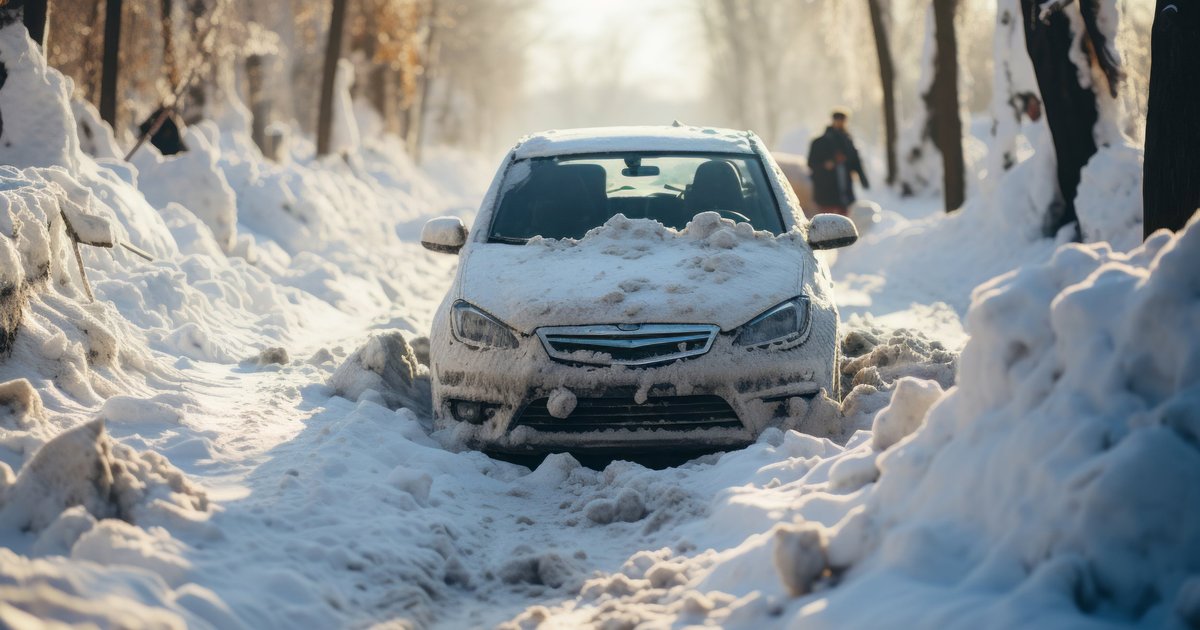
{"points": [[232, 434], [638, 268]]}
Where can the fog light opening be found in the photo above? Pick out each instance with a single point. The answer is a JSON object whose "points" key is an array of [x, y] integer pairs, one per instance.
{"points": [[467, 411]]}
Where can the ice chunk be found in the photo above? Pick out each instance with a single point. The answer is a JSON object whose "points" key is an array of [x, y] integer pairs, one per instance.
{"points": [[274, 355], [910, 402], [415, 482], [799, 556], [385, 364], [545, 569], [627, 508], [20, 404]]}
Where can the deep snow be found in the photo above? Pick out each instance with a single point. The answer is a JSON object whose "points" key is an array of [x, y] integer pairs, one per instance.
{"points": [[221, 438]]}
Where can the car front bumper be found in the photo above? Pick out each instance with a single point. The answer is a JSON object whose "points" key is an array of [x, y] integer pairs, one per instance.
{"points": [[789, 389]]}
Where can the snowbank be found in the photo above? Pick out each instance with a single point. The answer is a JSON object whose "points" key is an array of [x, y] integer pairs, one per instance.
{"points": [[1053, 486], [249, 259]]}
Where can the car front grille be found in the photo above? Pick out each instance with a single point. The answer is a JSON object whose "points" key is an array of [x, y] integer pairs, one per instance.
{"points": [[637, 345], [674, 413]]}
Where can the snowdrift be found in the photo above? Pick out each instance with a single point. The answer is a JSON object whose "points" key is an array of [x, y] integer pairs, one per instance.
{"points": [[1053, 486], [99, 348]]}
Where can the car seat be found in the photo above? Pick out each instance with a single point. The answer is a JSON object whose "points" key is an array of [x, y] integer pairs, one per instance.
{"points": [[715, 186]]}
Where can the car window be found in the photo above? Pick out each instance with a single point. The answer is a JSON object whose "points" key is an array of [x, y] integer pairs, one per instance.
{"points": [[564, 197]]}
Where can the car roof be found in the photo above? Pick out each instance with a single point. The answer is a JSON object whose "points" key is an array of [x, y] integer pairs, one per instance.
{"points": [[648, 138]]}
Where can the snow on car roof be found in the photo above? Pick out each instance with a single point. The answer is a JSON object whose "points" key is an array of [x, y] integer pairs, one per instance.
{"points": [[648, 138]]}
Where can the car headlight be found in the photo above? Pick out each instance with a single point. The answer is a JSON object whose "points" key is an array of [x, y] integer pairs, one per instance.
{"points": [[474, 327], [782, 325]]}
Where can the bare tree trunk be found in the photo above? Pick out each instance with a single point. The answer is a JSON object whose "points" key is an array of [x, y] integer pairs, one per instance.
{"points": [[168, 36], [1070, 108], [37, 21], [333, 52], [111, 59], [1170, 189], [942, 102], [259, 108], [729, 24], [197, 93], [887, 81], [404, 113], [416, 127], [380, 93]]}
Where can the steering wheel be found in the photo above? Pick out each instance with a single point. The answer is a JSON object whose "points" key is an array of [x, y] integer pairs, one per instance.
{"points": [[736, 217]]}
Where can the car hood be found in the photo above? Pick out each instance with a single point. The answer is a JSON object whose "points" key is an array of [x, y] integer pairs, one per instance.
{"points": [[635, 271]]}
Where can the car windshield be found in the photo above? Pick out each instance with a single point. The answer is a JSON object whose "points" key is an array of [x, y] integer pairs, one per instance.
{"points": [[564, 197]]}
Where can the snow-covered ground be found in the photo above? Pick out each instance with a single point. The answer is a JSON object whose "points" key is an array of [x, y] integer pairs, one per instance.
{"points": [[215, 440]]}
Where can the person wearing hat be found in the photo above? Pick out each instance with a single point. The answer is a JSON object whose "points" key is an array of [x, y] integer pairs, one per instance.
{"points": [[833, 158]]}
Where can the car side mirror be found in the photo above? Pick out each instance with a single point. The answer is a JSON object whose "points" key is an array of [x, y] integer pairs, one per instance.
{"points": [[445, 235], [831, 231]]}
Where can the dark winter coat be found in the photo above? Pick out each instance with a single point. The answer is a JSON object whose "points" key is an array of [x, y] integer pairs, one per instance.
{"points": [[832, 187]]}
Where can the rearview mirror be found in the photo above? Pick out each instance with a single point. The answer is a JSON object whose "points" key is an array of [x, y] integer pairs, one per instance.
{"points": [[831, 231], [446, 235]]}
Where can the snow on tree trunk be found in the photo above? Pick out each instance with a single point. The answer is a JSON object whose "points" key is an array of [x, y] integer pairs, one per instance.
{"points": [[1170, 188], [1014, 90], [880, 11], [1064, 41], [345, 136], [938, 128]]}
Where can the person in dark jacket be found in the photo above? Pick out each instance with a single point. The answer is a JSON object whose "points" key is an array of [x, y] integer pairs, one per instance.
{"points": [[832, 159]]}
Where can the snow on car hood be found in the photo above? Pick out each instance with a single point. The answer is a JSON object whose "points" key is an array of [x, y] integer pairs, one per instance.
{"points": [[637, 271]]}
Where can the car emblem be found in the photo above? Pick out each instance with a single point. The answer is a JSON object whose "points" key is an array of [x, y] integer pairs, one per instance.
{"points": [[629, 327]]}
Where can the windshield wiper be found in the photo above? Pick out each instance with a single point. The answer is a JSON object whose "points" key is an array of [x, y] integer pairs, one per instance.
{"points": [[509, 240]]}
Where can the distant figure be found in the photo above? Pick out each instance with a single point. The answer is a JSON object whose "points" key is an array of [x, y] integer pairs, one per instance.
{"points": [[832, 159]]}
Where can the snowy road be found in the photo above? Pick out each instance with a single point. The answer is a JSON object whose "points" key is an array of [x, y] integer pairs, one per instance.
{"points": [[163, 465], [343, 513]]}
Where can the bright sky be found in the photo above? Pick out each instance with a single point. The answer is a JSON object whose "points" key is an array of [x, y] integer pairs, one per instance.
{"points": [[653, 41]]}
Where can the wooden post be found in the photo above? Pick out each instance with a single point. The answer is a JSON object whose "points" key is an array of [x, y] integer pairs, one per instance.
{"points": [[333, 52], [111, 60]]}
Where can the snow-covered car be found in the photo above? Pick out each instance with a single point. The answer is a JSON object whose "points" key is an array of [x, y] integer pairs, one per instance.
{"points": [[636, 288]]}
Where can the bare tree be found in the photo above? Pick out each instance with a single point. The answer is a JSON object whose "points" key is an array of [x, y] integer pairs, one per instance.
{"points": [[938, 125], [111, 61], [880, 25], [1069, 92], [168, 41], [750, 44], [942, 103], [37, 20], [1170, 189], [477, 59], [333, 52], [416, 122]]}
